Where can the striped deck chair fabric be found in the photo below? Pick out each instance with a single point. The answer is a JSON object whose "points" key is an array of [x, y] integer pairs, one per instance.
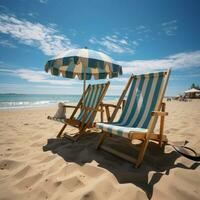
{"points": [[92, 98], [142, 99], [91, 101]]}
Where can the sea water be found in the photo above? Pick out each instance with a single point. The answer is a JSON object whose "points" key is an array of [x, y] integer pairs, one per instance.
{"points": [[13, 101]]}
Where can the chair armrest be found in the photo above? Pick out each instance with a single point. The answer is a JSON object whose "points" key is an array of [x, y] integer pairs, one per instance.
{"points": [[109, 105], [91, 109], [73, 122], [69, 106], [159, 113]]}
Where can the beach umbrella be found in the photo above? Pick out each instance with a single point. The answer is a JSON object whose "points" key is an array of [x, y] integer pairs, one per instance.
{"points": [[84, 64]]}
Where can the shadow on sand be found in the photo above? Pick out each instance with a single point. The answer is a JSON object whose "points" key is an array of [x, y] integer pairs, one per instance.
{"points": [[83, 151]]}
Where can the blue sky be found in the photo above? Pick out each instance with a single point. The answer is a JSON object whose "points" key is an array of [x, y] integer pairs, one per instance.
{"points": [[143, 36]]}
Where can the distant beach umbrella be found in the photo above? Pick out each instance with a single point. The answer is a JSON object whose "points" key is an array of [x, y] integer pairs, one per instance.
{"points": [[84, 64]]}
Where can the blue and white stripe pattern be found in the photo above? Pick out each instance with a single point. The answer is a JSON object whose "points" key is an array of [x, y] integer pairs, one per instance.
{"points": [[73, 62], [92, 99], [141, 101]]}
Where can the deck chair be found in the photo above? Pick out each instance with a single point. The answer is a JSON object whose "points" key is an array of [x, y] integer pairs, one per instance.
{"points": [[93, 97], [139, 115]]}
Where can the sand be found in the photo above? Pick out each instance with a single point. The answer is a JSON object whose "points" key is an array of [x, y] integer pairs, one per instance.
{"points": [[36, 165]]}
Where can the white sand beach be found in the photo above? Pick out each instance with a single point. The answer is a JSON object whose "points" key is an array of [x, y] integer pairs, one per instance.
{"points": [[36, 165]]}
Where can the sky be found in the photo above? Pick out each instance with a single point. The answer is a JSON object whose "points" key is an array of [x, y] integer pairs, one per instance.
{"points": [[141, 35]]}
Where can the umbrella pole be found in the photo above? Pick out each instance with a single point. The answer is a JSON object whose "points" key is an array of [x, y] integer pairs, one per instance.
{"points": [[84, 84]]}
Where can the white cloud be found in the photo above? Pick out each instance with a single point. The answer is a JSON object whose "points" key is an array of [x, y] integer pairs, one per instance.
{"points": [[120, 79], [123, 41], [172, 22], [170, 27], [142, 29], [135, 43], [36, 76], [46, 38], [37, 89], [117, 88], [32, 14], [176, 61], [53, 86], [43, 1], [185, 76], [6, 43], [49, 84], [114, 44]]}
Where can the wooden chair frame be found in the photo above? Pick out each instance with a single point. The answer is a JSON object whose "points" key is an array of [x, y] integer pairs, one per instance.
{"points": [[144, 137], [81, 125]]}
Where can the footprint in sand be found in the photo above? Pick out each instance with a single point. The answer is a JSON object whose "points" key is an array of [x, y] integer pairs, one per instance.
{"points": [[23, 172], [9, 164], [28, 182], [89, 196]]}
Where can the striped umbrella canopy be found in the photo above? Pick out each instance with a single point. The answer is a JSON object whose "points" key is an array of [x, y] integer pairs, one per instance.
{"points": [[84, 64]]}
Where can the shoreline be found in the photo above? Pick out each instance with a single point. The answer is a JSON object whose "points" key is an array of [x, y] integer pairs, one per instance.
{"points": [[33, 107], [43, 106]]}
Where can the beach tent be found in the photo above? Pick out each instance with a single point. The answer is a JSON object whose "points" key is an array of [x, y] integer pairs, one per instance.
{"points": [[192, 92]]}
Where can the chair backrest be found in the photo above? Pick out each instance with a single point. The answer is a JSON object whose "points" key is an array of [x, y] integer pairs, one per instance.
{"points": [[92, 99], [145, 95]]}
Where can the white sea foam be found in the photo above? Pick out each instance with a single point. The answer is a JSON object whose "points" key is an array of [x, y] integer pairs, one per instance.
{"points": [[13, 101], [26, 104]]}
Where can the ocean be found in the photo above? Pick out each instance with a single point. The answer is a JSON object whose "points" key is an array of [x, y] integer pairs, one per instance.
{"points": [[14, 101]]}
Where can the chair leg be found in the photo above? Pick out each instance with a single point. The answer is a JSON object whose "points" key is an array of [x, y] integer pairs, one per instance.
{"points": [[103, 137], [141, 153], [101, 113], [161, 131], [162, 120], [61, 131], [81, 133]]}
